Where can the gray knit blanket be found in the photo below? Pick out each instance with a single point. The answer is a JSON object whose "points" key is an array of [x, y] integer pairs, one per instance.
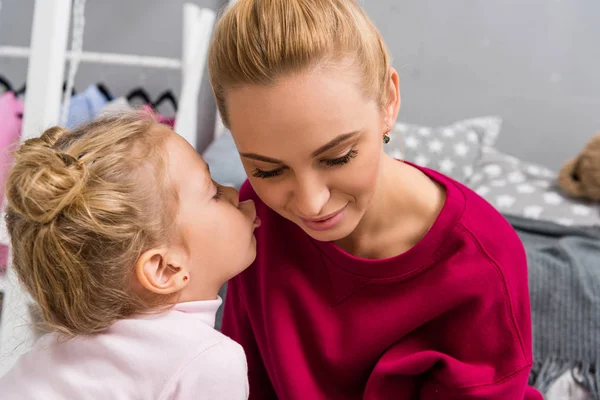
{"points": [[564, 282]]}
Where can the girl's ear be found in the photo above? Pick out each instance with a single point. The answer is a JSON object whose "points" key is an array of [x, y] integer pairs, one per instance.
{"points": [[161, 271]]}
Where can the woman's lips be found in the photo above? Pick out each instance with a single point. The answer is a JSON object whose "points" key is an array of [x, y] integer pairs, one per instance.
{"points": [[325, 223]]}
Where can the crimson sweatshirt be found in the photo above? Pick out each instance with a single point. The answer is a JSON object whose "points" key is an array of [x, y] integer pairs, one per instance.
{"points": [[448, 319]]}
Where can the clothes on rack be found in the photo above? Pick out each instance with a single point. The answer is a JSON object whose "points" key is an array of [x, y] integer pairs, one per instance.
{"points": [[84, 106], [120, 104], [97, 100], [11, 120], [3, 259], [162, 119]]}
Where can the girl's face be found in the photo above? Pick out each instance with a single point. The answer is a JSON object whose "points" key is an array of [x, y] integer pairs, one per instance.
{"points": [[215, 228], [312, 147]]}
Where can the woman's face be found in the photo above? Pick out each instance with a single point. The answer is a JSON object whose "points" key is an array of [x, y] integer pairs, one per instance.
{"points": [[312, 147]]}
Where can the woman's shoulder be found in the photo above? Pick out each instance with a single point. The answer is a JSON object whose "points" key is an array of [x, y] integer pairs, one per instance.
{"points": [[472, 212], [478, 222], [492, 238], [487, 225]]}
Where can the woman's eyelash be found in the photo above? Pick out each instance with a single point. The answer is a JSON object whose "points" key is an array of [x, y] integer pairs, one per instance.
{"points": [[219, 193], [341, 160], [266, 174], [330, 163]]}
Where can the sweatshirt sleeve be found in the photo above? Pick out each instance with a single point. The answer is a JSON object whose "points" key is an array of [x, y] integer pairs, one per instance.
{"points": [[512, 387], [219, 372], [479, 347], [237, 326], [419, 376]]}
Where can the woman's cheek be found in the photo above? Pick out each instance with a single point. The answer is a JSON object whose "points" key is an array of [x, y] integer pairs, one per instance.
{"points": [[362, 172], [273, 194]]}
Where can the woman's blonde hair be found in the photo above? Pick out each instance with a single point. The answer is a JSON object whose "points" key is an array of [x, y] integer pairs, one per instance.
{"points": [[82, 207], [259, 41]]}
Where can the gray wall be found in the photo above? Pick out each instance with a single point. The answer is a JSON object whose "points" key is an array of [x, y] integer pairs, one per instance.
{"points": [[533, 62]]}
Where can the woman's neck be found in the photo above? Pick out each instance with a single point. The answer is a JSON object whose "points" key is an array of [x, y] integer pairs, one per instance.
{"points": [[405, 205]]}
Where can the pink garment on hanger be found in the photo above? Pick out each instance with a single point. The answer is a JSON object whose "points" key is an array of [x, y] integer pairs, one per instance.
{"points": [[3, 258], [162, 119], [11, 121]]}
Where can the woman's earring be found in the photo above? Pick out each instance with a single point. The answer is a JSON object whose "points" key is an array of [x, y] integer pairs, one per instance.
{"points": [[386, 136]]}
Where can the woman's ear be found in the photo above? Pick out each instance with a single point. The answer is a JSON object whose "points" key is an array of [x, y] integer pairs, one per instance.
{"points": [[393, 99], [161, 271]]}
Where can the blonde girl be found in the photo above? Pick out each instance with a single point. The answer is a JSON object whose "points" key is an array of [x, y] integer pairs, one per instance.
{"points": [[123, 240]]}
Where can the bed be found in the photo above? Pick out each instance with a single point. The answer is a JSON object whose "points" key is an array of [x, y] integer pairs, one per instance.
{"points": [[561, 237]]}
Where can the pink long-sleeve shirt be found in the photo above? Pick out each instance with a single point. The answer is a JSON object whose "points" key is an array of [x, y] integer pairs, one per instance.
{"points": [[172, 355]]}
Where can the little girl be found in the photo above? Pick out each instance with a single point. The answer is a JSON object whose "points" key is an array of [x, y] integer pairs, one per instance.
{"points": [[123, 240]]}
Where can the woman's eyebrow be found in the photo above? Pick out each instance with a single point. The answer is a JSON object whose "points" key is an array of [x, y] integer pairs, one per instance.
{"points": [[334, 142], [340, 139], [258, 157]]}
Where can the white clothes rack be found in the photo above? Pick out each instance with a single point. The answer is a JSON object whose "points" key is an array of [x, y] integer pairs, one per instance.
{"points": [[102, 58], [47, 54]]}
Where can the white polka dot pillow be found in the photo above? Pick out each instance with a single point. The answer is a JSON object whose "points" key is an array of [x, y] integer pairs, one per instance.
{"points": [[528, 190], [451, 149]]}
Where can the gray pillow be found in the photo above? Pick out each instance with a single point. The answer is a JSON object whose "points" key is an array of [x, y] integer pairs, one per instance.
{"points": [[224, 161], [451, 150], [528, 190]]}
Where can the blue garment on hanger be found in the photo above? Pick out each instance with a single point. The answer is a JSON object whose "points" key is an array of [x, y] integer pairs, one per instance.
{"points": [[84, 106]]}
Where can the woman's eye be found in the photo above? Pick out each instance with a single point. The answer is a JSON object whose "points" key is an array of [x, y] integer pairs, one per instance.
{"points": [[258, 173], [266, 174], [341, 160]]}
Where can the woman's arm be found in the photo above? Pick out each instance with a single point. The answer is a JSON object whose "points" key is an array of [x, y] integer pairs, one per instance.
{"points": [[420, 377], [480, 346]]}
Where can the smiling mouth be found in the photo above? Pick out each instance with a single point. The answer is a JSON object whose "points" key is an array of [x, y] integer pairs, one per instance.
{"points": [[325, 218], [325, 223]]}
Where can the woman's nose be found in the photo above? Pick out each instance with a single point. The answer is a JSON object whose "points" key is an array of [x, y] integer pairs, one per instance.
{"points": [[311, 198]]}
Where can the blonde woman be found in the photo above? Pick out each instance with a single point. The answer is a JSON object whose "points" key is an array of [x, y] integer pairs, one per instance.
{"points": [[374, 278]]}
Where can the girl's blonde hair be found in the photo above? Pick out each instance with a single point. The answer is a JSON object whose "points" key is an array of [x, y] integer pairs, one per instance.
{"points": [[82, 207], [259, 41]]}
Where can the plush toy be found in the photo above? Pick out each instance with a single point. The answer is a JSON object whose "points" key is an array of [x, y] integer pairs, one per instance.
{"points": [[580, 177]]}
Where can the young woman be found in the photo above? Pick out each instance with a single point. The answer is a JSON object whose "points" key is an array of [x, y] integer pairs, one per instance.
{"points": [[374, 278]]}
